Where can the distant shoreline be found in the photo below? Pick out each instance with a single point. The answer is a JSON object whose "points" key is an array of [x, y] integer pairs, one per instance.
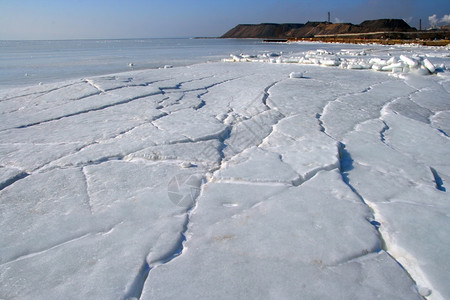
{"points": [[441, 43], [381, 31]]}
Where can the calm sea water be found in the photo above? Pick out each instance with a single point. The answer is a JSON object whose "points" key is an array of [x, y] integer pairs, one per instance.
{"points": [[30, 62]]}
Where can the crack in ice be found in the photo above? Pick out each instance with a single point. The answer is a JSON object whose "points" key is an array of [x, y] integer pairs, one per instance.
{"points": [[88, 194], [438, 180], [145, 270], [58, 245], [39, 94], [346, 164], [11, 181], [125, 101]]}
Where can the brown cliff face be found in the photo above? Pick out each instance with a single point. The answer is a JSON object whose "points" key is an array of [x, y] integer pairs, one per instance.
{"points": [[310, 29], [261, 31]]}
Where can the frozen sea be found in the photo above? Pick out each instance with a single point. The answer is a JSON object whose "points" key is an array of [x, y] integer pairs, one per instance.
{"points": [[281, 171], [31, 62]]}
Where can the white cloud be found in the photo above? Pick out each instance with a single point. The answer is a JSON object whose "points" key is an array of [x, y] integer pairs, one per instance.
{"points": [[337, 20], [433, 21], [445, 19]]}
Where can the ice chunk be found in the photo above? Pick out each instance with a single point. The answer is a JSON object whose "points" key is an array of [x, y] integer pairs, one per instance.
{"points": [[409, 61], [296, 75], [429, 65], [329, 62], [391, 67]]}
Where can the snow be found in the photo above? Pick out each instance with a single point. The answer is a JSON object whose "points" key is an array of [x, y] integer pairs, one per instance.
{"points": [[315, 175]]}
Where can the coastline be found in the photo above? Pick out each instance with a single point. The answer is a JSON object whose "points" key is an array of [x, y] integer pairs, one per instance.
{"points": [[381, 31], [379, 41]]}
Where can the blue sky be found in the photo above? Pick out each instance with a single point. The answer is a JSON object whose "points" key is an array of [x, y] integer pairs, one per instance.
{"points": [[74, 19]]}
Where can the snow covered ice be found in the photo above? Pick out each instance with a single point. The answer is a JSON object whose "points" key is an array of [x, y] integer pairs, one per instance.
{"points": [[316, 175]]}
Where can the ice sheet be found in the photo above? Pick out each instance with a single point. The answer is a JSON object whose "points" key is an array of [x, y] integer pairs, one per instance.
{"points": [[232, 180]]}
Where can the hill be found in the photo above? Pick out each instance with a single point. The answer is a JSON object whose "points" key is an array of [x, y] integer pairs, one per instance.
{"points": [[310, 29], [265, 30]]}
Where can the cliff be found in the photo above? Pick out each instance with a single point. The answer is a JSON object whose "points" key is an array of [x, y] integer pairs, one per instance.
{"points": [[261, 31], [310, 29]]}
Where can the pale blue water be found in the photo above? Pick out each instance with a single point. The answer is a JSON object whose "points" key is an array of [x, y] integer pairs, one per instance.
{"points": [[30, 62]]}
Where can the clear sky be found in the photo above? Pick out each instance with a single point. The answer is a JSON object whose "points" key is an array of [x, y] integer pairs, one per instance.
{"points": [[76, 19]]}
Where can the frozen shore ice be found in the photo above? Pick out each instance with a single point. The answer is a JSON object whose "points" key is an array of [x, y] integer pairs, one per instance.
{"points": [[345, 59], [332, 184]]}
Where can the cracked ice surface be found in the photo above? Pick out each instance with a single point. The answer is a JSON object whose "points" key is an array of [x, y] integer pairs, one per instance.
{"points": [[332, 185]]}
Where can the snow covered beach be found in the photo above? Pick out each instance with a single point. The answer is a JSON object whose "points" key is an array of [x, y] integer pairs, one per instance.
{"points": [[269, 179]]}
